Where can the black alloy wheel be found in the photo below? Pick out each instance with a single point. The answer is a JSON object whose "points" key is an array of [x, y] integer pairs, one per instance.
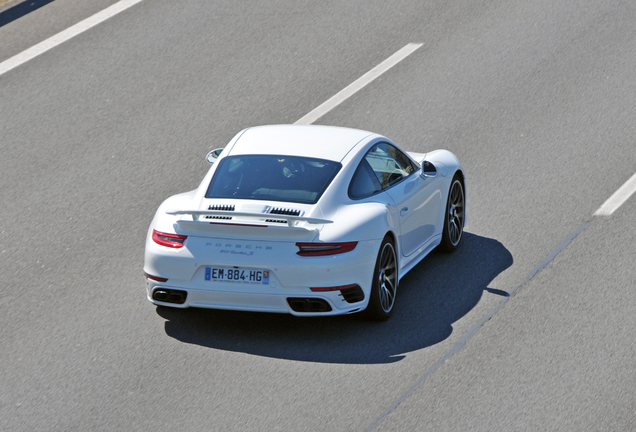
{"points": [[454, 216], [385, 283]]}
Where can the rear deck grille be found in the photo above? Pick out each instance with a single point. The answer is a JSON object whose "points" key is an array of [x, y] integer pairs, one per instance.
{"points": [[284, 211], [222, 207]]}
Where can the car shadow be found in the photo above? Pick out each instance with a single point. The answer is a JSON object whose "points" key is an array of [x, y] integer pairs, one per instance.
{"points": [[431, 297]]}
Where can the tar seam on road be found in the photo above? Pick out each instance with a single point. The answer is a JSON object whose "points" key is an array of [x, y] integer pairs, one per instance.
{"points": [[65, 35], [358, 84], [617, 199], [613, 203], [462, 342]]}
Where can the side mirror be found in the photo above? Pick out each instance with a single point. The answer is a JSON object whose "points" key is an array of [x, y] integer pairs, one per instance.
{"points": [[428, 169], [213, 156]]}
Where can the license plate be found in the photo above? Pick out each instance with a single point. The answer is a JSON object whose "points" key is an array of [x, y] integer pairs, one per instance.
{"points": [[219, 274]]}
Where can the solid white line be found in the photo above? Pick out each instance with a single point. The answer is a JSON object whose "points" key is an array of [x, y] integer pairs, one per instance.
{"points": [[618, 198], [65, 35], [358, 84]]}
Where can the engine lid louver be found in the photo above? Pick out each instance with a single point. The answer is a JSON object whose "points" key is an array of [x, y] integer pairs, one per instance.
{"points": [[222, 207], [284, 211]]}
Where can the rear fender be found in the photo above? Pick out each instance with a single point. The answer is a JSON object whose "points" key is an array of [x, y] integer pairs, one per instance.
{"points": [[358, 222], [165, 222], [445, 162], [448, 165]]}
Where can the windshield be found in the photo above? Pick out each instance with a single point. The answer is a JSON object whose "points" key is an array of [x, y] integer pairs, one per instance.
{"points": [[271, 177]]}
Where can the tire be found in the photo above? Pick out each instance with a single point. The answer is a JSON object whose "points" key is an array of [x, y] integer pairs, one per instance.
{"points": [[454, 216], [385, 283]]}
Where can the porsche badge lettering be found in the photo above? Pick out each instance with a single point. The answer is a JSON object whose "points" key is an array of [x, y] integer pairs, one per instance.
{"points": [[238, 249]]}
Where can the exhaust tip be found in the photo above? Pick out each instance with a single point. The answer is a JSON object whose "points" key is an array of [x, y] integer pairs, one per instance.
{"points": [[169, 296], [308, 305], [160, 295]]}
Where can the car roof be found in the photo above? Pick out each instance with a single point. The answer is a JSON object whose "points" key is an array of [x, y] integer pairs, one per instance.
{"points": [[322, 142]]}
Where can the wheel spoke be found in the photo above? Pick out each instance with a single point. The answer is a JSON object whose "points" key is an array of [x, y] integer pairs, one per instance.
{"points": [[390, 288], [387, 297], [383, 298]]}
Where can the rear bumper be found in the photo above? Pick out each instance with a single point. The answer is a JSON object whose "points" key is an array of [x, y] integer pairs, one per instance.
{"points": [[255, 302], [290, 276]]}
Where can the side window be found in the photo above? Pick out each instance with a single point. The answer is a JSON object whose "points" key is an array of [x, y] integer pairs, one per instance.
{"points": [[389, 164], [364, 182]]}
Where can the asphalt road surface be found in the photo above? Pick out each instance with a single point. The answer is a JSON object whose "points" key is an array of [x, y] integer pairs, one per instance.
{"points": [[529, 326]]}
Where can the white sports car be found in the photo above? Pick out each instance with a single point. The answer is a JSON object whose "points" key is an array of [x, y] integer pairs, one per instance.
{"points": [[307, 220]]}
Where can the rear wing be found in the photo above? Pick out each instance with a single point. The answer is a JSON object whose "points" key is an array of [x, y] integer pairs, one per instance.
{"points": [[247, 218]]}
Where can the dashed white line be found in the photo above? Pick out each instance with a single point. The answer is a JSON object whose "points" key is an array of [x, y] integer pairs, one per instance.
{"points": [[65, 35], [618, 198], [358, 84]]}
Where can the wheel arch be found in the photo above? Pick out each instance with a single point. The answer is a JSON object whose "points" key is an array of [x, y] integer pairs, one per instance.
{"points": [[459, 172], [398, 252]]}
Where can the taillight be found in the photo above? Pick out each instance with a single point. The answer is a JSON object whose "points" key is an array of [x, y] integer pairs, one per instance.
{"points": [[336, 288], [155, 278], [321, 249], [168, 240]]}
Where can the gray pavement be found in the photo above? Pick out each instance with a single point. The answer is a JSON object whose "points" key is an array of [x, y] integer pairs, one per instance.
{"points": [[537, 100], [560, 356]]}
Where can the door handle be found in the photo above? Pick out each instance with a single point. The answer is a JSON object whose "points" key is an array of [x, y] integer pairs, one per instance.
{"points": [[404, 211]]}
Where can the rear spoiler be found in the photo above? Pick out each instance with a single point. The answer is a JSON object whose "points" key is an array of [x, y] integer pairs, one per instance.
{"points": [[260, 217]]}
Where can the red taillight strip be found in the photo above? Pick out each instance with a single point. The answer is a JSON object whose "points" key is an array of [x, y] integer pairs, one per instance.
{"points": [[155, 278], [168, 240], [336, 288], [321, 249]]}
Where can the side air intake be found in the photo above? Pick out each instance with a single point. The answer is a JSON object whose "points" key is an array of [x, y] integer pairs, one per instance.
{"points": [[353, 294]]}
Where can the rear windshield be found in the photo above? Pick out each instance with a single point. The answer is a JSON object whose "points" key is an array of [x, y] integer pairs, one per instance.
{"points": [[270, 177]]}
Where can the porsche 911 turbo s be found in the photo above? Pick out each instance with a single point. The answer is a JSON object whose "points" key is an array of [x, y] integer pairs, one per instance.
{"points": [[306, 220]]}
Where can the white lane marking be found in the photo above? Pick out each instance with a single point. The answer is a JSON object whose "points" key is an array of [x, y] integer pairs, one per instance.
{"points": [[65, 35], [618, 198], [358, 84]]}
